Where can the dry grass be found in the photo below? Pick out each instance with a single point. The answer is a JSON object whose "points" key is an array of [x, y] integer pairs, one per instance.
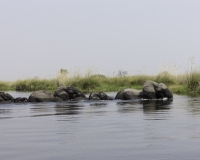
{"points": [[181, 83]]}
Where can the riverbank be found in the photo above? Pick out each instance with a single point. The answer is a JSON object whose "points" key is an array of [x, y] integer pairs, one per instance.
{"points": [[181, 84]]}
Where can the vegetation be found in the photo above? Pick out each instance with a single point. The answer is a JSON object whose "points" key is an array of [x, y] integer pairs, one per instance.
{"points": [[186, 83]]}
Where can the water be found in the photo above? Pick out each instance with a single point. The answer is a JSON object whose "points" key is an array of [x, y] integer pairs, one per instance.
{"points": [[113, 130]]}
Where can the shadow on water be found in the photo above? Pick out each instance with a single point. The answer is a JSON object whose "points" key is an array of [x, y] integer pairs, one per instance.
{"points": [[156, 105], [48, 109], [5, 112], [68, 109], [193, 105]]}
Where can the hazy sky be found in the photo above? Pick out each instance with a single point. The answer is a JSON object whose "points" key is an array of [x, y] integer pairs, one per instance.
{"points": [[39, 37]]}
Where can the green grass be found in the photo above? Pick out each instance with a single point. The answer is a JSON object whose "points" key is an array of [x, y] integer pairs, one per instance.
{"points": [[181, 84], [35, 84]]}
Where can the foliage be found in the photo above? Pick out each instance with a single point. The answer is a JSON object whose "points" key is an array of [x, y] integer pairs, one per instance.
{"points": [[185, 83], [193, 81], [193, 77], [35, 84], [165, 77]]}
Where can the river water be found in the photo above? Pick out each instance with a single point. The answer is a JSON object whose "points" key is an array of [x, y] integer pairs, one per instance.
{"points": [[101, 130]]}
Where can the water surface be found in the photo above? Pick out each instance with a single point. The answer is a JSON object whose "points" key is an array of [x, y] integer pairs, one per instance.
{"points": [[112, 130]]}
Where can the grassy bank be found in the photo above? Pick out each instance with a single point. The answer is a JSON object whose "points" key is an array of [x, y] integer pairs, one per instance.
{"points": [[186, 83]]}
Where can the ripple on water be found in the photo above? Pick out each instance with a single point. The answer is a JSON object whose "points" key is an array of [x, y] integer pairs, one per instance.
{"points": [[101, 129]]}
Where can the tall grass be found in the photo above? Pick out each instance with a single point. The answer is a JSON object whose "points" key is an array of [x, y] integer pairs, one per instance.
{"points": [[6, 86], [192, 77], [193, 80], [35, 84], [182, 83]]}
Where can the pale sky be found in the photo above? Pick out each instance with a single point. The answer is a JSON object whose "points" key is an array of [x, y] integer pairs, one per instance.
{"points": [[39, 37]]}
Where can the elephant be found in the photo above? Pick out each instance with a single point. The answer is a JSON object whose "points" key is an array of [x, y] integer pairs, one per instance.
{"points": [[43, 96], [130, 94], [99, 96], [62, 93], [150, 90], [155, 90], [69, 93], [5, 97], [20, 99]]}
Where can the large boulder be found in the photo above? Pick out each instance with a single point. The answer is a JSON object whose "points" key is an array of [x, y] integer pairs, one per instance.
{"points": [[99, 96], [43, 96]]}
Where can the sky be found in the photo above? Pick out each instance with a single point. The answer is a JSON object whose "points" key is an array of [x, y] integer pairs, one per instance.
{"points": [[40, 37]]}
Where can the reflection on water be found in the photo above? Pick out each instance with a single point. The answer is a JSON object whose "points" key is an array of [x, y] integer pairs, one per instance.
{"points": [[194, 105], [157, 129], [148, 106], [156, 105], [62, 109]]}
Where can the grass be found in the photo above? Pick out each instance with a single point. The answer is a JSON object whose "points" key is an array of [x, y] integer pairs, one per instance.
{"points": [[182, 84], [35, 84]]}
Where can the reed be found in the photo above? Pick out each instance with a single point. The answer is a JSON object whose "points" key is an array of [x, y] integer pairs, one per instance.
{"points": [[6, 86], [35, 84], [192, 77], [193, 81], [182, 83]]}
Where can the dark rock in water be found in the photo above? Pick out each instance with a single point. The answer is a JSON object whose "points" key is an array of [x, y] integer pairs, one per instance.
{"points": [[99, 96], [4, 97], [43, 96]]}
